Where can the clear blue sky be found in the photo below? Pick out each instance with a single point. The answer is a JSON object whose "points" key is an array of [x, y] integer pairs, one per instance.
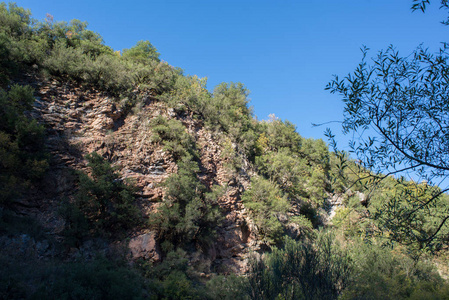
{"points": [[283, 51]]}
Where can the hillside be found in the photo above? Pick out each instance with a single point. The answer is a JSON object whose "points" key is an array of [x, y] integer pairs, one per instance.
{"points": [[116, 165]]}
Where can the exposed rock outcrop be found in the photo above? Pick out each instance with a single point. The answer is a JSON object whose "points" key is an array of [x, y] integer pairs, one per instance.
{"points": [[80, 121], [145, 246]]}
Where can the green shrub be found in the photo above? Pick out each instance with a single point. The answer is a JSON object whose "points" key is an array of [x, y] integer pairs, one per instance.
{"points": [[302, 221], [26, 277], [300, 167], [188, 92], [173, 278], [76, 227], [98, 279], [106, 201], [7, 66], [267, 205], [317, 186], [188, 213], [282, 134], [317, 152], [173, 135], [16, 36], [286, 169], [227, 110], [14, 20], [231, 287], [65, 60], [350, 222], [380, 273], [163, 77], [394, 206], [143, 52], [23, 158], [301, 270], [106, 72]]}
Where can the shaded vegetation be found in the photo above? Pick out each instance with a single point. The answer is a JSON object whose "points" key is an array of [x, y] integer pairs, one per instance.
{"points": [[188, 213], [23, 158], [105, 200]]}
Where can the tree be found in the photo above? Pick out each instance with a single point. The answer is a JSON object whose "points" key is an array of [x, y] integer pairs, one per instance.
{"points": [[142, 52], [307, 269], [23, 157], [188, 213], [268, 206], [397, 110], [106, 201]]}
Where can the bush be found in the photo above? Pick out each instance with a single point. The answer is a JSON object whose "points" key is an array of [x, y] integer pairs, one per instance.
{"points": [[229, 287], [7, 65], [23, 158], [282, 134], [108, 73], [380, 273], [410, 214], [188, 92], [65, 60], [286, 169], [300, 167], [173, 136], [106, 201], [230, 108], [173, 278], [188, 213], [267, 205], [301, 270], [98, 279], [76, 227], [143, 52]]}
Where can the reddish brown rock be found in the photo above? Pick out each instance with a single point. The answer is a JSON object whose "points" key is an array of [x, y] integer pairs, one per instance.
{"points": [[145, 246], [81, 121]]}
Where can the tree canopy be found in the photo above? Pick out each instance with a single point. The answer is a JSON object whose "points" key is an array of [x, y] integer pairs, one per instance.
{"points": [[397, 112]]}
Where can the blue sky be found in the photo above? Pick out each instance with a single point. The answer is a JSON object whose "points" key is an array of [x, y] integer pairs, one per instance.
{"points": [[284, 51]]}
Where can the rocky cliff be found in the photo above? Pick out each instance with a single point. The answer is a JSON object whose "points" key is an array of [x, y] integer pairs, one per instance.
{"points": [[79, 121]]}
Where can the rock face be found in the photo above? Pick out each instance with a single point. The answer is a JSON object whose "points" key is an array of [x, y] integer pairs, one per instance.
{"points": [[145, 246], [80, 121], [26, 246], [336, 201]]}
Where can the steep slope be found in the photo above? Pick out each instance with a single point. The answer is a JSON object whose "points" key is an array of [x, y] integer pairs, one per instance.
{"points": [[80, 121]]}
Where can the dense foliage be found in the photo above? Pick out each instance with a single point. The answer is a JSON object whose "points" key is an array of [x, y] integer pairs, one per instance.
{"points": [[188, 212], [301, 270], [398, 107], [23, 159], [106, 201]]}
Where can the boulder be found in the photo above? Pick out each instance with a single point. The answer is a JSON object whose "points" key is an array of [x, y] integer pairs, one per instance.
{"points": [[145, 246]]}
